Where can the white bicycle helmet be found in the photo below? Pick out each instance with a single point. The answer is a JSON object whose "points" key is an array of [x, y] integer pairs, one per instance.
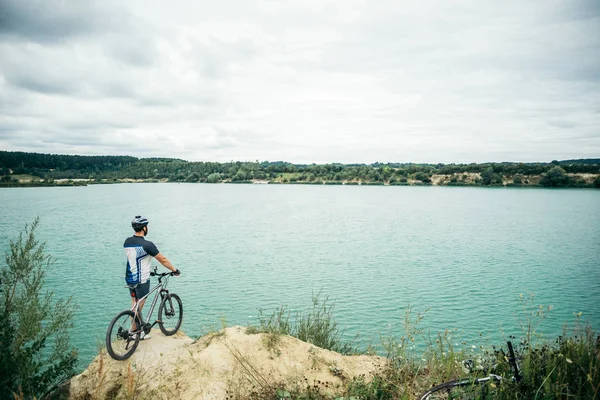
{"points": [[139, 222]]}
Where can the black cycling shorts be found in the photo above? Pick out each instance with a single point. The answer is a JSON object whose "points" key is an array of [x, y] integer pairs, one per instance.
{"points": [[140, 290]]}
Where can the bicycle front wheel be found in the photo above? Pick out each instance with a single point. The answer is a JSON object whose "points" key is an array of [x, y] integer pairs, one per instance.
{"points": [[122, 336], [467, 389], [170, 314]]}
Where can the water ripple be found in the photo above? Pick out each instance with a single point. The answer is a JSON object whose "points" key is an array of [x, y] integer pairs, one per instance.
{"points": [[463, 254]]}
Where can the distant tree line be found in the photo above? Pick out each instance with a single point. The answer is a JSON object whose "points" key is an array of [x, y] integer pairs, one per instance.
{"points": [[51, 167], [37, 161]]}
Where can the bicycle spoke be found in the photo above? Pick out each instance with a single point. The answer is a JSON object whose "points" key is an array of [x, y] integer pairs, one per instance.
{"points": [[170, 314], [121, 337]]}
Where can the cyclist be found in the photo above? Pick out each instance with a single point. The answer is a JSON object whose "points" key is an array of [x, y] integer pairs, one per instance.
{"points": [[139, 253]]}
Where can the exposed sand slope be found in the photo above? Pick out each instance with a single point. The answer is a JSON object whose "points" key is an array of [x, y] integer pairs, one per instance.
{"points": [[223, 365]]}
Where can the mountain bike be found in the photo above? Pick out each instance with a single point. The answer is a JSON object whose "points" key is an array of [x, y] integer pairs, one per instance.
{"points": [[124, 331], [471, 388]]}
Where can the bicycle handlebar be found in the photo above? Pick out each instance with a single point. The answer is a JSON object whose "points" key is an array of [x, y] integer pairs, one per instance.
{"points": [[172, 273], [161, 275]]}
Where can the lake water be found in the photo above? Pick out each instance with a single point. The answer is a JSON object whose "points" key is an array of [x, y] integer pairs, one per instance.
{"points": [[463, 253]]}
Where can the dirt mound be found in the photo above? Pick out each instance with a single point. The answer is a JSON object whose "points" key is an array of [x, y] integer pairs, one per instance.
{"points": [[227, 364]]}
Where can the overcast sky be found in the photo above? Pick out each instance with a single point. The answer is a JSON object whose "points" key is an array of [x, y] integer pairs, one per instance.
{"points": [[303, 80]]}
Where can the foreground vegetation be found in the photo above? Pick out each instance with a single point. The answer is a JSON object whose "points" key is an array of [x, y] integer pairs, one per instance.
{"points": [[566, 367], [52, 169], [35, 354]]}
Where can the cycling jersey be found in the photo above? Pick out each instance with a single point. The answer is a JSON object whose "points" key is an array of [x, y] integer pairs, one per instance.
{"points": [[139, 253]]}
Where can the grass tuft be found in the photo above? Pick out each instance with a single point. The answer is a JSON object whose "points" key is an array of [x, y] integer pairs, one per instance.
{"points": [[316, 326]]}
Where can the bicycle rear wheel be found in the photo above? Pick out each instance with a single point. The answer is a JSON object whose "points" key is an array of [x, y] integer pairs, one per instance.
{"points": [[464, 389], [170, 314], [122, 336]]}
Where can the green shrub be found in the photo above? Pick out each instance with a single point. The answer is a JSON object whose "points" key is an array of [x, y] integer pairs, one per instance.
{"points": [[423, 177], [193, 177], [556, 177], [34, 345], [489, 177]]}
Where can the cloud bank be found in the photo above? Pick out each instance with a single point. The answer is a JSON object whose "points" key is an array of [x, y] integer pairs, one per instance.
{"points": [[303, 81]]}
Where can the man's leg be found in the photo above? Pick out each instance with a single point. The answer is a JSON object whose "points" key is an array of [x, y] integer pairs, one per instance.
{"points": [[134, 297], [140, 291], [139, 309]]}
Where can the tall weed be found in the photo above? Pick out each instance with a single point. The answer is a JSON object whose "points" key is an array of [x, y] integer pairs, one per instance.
{"points": [[316, 326]]}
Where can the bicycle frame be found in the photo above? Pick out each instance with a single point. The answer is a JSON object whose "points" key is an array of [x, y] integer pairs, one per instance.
{"points": [[163, 290], [512, 360]]}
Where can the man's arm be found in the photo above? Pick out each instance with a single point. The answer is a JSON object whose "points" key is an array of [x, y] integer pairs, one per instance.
{"points": [[164, 261]]}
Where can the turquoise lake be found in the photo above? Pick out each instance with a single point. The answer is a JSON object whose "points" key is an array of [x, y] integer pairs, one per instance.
{"points": [[465, 254]]}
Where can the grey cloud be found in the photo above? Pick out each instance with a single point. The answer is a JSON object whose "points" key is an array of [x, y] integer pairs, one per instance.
{"points": [[221, 142], [449, 42], [50, 20], [93, 140], [79, 126], [124, 37], [86, 71], [138, 51], [182, 97], [117, 89], [132, 42], [303, 80], [243, 137], [54, 82], [8, 131], [562, 124], [71, 139], [41, 84], [215, 57], [576, 10], [63, 71]]}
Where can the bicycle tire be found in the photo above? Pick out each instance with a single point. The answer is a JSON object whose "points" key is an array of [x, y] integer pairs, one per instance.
{"points": [[130, 342], [170, 307], [467, 388]]}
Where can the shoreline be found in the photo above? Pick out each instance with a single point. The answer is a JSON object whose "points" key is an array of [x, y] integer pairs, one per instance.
{"points": [[440, 180]]}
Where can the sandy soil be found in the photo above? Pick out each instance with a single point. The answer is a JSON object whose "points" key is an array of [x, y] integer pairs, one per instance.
{"points": [[227, 364]]}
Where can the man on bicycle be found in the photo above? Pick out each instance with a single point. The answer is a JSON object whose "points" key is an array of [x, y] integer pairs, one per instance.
{"points": [[139, 253]]}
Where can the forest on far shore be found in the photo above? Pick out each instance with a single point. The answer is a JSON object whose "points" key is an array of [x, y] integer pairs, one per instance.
{"points": [[48, 168]]}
